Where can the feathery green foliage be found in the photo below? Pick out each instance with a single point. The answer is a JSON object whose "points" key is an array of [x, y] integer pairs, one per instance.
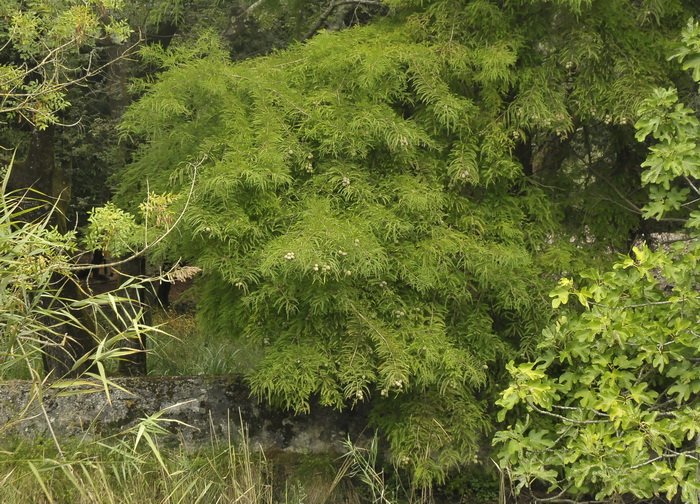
{"points": [[372, 209]]}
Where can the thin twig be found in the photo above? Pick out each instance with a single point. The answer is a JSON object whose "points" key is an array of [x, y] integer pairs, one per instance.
{"points": [[572, 408], [691, 454], [640, 305], [143, 250], [24, 99], [565, 419], [690, 183]]}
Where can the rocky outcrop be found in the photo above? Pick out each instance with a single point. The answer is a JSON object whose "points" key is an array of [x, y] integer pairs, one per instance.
{"points": [[199, 409]]}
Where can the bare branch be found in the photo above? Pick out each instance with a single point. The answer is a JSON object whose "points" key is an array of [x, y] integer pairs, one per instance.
{"points": [[631, 204], [571, 408], [640, 305], [692, 186], [563, 418], [691, 454]]}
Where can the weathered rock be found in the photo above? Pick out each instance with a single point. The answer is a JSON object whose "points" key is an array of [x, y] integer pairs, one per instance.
{"points": [[204, 407]]}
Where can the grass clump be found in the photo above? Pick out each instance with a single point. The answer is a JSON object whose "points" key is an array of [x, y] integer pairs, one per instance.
{"points": [[190, 351], [115, 471]]}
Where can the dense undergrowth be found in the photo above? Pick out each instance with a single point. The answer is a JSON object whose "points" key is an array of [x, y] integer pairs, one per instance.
{"points": [[99, 473], [122, 470], [380, 215], [126, 469]]}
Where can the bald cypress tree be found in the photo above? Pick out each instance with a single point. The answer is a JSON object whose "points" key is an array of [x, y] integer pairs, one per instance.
{"points": [[382, 211]]}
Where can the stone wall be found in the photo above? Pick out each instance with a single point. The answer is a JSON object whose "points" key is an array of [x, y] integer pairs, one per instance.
{"points": [[210, 406]]}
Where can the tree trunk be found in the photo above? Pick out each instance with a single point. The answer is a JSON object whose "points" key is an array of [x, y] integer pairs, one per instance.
{"points": [[48, 180]]}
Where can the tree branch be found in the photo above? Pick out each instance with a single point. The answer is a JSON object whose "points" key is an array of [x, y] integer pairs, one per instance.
{"points": [[692, 186], [149, 246], [252, 7], [565, 419], [571, 408], [11, 101], [332, 7], [691, 454], [640, 305]]}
